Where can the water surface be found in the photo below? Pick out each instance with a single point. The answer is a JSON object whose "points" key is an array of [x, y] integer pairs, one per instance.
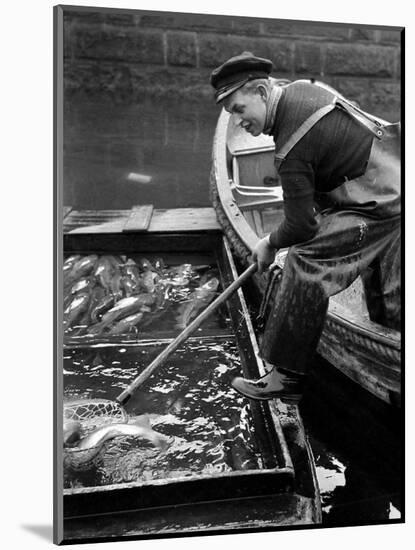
{"points": [[189, 399], [105, 142]]}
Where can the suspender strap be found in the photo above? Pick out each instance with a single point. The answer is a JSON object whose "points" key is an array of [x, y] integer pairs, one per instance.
{"points": [[301, 132], [367, 120], [363, 118]]}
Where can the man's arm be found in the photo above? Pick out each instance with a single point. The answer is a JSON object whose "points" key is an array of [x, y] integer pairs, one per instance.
{"points": [[299, 223]]}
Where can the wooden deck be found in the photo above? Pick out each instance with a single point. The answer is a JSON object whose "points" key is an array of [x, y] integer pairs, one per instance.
{"points": [[140, 219]]}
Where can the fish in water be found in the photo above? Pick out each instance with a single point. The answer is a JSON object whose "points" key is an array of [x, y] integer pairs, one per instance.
{"points": [[180, 275], [199, 300], [104, 271], [149, 280], [102, 305], [145, 265], [71, 433], [139, 428], [130, 271], [80, 451], [82, 267], [127, 285], [69, 263], [126, 324], [82, 284], [97, 295], [123, 308], [159, 265], [116, 287], [75, 309]]}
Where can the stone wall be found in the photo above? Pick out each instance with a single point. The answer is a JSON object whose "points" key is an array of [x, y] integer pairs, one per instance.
{"points": [[133, 54]]}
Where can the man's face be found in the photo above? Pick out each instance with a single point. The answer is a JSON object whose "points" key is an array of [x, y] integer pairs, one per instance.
{"points": [[248, 110]]}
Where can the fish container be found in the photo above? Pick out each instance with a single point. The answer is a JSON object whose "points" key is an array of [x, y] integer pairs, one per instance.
{"points": [[266, 495]]}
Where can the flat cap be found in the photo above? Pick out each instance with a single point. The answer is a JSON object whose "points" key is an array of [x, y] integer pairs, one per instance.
{"points": [[236, 72]]}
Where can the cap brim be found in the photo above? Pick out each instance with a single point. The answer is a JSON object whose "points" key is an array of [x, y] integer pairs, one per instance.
{"points": [[221, 94]]}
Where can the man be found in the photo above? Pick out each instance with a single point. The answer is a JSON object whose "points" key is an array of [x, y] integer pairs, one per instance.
{"points": [[340, 175]]}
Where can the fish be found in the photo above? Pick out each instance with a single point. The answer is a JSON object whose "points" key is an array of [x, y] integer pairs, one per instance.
{"points": [[103, 305], [139, 428], [82, 267], [116, 287], [127, 323], [180, 275], [130, 270], [97, 295], [123, 308], [128, 306], [104, 271], [116, 261], [82, 284], [80, 452], [145, 265], [71, 433], [149, 280], [127, 285], [75, 309], [159, 265], [199, 300], [162, 293], [69, 263]]}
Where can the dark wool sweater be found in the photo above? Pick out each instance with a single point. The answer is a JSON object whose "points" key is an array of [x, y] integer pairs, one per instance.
{"points": [[336, 148]]}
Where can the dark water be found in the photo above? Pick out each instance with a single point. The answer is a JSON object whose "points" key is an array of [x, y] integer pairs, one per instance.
{"points": [[171, 143], [105, 143], [189, 400]]}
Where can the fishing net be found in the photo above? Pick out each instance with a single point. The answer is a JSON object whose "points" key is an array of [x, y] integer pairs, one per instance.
{"points": [[94, 412], [91, 414], [81, 459]]}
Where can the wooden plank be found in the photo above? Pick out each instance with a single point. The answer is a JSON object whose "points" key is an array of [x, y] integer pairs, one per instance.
{"points": [[139, 219], [265, 513], [100, 213], [163, 221], [184, 219]]}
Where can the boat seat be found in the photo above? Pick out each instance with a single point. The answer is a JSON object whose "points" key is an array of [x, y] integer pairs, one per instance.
{"points": [[251, 197]]}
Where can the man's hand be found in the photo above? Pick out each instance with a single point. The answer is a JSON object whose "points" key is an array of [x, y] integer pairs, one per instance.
{"points": [[263, 254]]}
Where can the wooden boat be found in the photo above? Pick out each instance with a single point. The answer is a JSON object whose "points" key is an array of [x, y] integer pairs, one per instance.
{"points": [[283, 493], [247, 198]]}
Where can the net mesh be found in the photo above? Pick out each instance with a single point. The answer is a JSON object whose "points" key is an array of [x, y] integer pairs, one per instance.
{"points": [[94, 412], [91, 413]]}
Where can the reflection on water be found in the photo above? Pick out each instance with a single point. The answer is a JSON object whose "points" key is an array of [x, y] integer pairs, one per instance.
{"points": [[190, 400], [350, 495], [357, 447], [111, 151]]}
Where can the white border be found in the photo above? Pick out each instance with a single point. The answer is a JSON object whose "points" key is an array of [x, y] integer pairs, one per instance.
{"points": [[26, 298]]}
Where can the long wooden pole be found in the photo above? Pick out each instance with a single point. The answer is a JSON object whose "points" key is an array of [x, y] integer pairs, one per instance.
{"points": [[159, 360]]}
